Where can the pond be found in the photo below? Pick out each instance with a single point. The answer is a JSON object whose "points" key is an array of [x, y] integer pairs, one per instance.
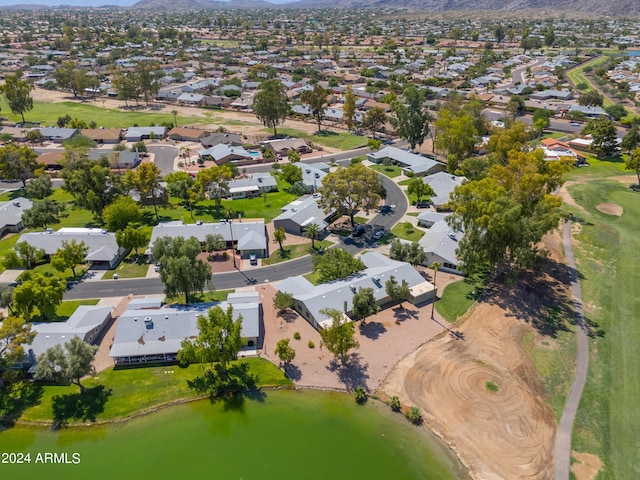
{"points": [[282, 435]]}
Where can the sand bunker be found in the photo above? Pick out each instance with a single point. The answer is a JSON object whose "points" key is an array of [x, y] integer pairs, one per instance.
{"points": [[610, 209]]}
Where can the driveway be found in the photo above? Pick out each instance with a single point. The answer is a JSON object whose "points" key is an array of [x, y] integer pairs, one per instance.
{"points": [[164, 157]]}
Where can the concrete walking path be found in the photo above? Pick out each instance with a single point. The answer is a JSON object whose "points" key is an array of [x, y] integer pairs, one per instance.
{"points": [[562, 455]]}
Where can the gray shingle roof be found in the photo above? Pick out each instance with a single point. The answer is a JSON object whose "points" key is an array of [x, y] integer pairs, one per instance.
{"points": [[304, 211], [102, 244], [11, 212], [254, 230], [443, 184]]}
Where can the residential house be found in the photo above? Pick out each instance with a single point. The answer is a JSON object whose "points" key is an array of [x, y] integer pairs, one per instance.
{"points": [[252, 185], [11, 214], [410, 162], [311, 299], [57, 135], [556, 150], [443, 184], [103, 250], [156, 335], [440, 243], [302, 212], [135, 134], [17, 134], [283, 146], [191, 98], [185, 134], [217, 138], [312, 174], [222, 154], [246, 237], [103, 136]]}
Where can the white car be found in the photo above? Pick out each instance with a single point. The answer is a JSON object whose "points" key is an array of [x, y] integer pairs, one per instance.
{"points": [[379, 234]]}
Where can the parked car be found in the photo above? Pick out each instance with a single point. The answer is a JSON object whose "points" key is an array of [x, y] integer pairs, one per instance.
{"points": [[359, 230], [379, 234], [422, 204], [253, 259]]}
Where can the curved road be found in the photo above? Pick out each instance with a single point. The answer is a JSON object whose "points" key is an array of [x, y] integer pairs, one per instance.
{"points": [[562, 455], [396, 203]]}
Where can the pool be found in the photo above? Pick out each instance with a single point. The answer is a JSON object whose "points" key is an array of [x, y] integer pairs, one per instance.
{"points": [[254, 154]]}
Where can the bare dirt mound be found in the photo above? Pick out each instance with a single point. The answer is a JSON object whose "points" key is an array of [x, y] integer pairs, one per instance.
{"points": [[586, 466], [610, 209], [479, 391]]}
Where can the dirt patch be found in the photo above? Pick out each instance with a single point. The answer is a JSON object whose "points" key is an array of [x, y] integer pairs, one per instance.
{"points": [[610, 209], [586, 466], [567, 198]]}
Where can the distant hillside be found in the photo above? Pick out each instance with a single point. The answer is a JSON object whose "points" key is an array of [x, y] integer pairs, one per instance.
{"points": [[628, 8]]}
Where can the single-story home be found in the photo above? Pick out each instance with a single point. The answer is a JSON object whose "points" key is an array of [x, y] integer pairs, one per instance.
{"points": [[253, 185], [556, 150], [11, 214], [103, 136], [588, 111], [135, 134], [155, 335], [552, 95], [57, 135], [191, 98], [443, 184], [410, 162], [104, 251], [222, 153], [87, 322], [440, 244], [17, 134], [311, 299], [285, 145], [302, 212], [184, 134], [217, 138], [246, 237], [312, 174]]}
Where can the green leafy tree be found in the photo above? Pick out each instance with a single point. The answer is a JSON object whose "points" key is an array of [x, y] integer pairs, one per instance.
{"points": [[279, 236], [125, 84], [148, 83], [515, 106], [339, 337], [40, 187], [122, 212], [336, 264], [132, 238], [271, 104], [284, 351], [283, 301], [18, 95], [374, 120], [349, 108], [350, 189], [214, 182], [398, 292], [69, 255], [6, 298], [68, 364], [631, 139], [312, 231], [180, 269], [505, 215], [503, 141], [591, 98], [219, 338], [290, 173], [293, 156], [317, 101], [456, 135], [15, 332], [411, 119], [70, 76], [361, 395], [145, 180], [40, 293], [364, 304], [41, 214], [604, 136], [616, 111], [418, 188], [89, 181], [29, 254], [183, 186], [18, 163], [214, 243], [633, 163], [541, 120]]}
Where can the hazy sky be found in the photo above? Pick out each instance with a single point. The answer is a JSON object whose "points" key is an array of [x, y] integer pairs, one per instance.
{"points": [[89, 3]]}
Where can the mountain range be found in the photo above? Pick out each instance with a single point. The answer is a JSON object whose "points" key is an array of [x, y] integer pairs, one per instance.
{"points": [[628, 8]]}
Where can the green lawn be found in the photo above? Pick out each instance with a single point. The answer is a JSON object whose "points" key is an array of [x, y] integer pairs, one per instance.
{"points": [[407, 231], [214, 296], [48, 271], [294, 251], [130, 267], [313, 277], [577, 75], [326, 138], [390, 171], [404, 182], [458, 297], [47, 113], [606, 250], [134, 390], [67, 307]]}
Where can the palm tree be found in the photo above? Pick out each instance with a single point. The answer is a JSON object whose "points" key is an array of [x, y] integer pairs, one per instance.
{"points": [[228, 212], [279, 236], [435, 266], [175, 117], [312, 231]]}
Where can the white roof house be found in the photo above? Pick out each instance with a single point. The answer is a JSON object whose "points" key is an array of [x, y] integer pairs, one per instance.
{"points": [[223, 153], [300, 213], [254, 184], [156, 335], [410, 162], [248, 237], [11, 214], [443, 184], [311, 299], [103, 247], [135, 134]]}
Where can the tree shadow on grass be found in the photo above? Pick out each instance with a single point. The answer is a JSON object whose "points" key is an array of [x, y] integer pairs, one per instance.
{"points": [[352, 373], [16, 398], [80, 406], [372, 330], [293, 372]]}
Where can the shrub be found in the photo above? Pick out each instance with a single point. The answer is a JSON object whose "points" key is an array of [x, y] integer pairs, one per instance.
{"points": [[296, 335], [415, 416], [311, 344], [361, 395], [395, 404], [491, 387]]}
